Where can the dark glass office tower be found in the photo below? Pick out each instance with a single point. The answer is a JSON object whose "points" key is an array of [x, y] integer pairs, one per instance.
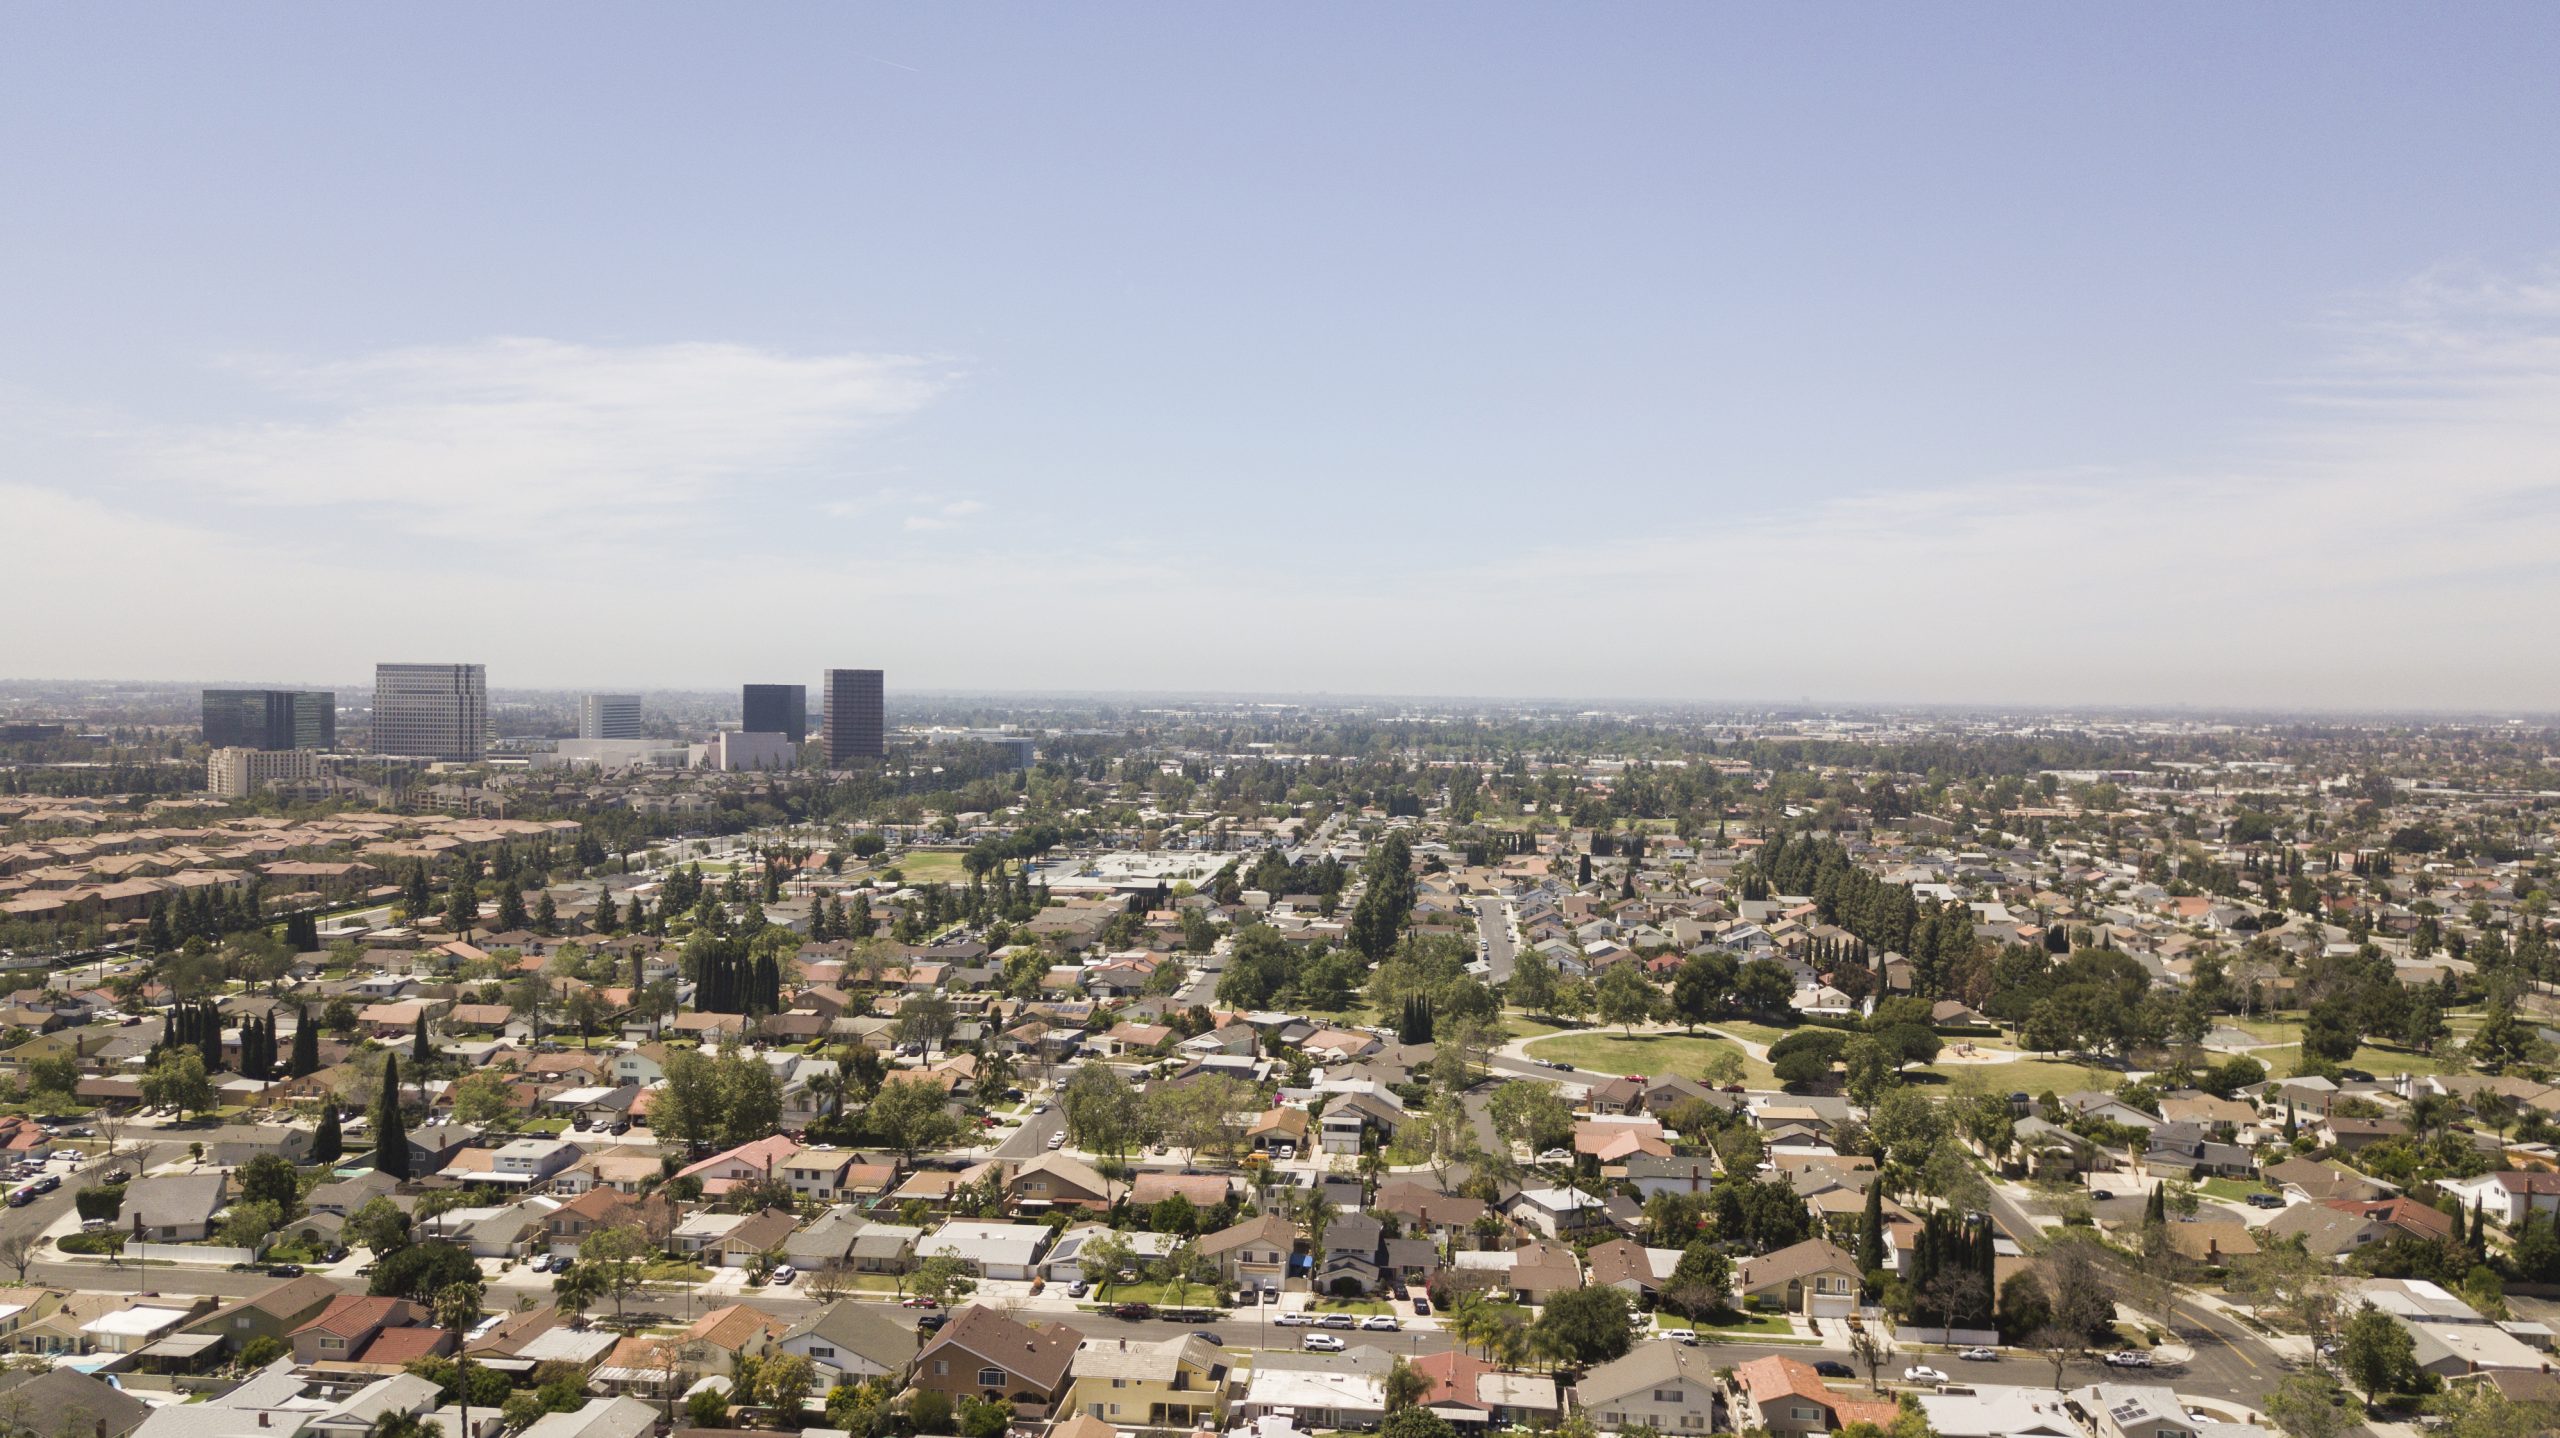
{"points": [[857, 719], [777, 709], [270, 719]]}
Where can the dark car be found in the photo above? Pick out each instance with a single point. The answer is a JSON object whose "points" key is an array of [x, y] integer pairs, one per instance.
{"points": [[1205, 1336], [931, 1321], [1567, 1068], [1422, 1306], [284, 1270], [1132, 1310], [2266, 1200], [1833, 1368]]}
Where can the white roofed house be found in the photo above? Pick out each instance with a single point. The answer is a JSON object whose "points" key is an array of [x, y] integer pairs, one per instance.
{"points": [[991, 1250]]}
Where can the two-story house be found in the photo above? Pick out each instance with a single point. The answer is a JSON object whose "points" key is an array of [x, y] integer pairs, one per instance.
{"points": [[982, 1354], [1173, 1383], [1254, 1254]]}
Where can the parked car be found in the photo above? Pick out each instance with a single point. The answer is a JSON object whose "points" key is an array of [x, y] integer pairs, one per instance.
{"points": [[2266, 1200], [1133, 1310], [1079, 1288], [284, 1270], [1923, 1373], [2100, 1195], [1682, 1336], [1295, 1320], [784, 1274], [1381, 1323], [917, 1301], [1834, 1368], [1321, 1343], [1564, 1068], [931, 1321], [1422, 1306], [2129, 1358], [1205, 1336], [1057, 1140], [1980, 1355], [1555, 1155]]}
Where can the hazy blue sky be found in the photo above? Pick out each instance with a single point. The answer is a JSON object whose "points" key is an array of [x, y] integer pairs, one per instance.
{"points": [[2200, 353]]}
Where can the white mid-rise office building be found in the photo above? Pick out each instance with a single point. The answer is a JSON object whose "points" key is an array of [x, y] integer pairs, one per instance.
{"points": [[238, 773]]}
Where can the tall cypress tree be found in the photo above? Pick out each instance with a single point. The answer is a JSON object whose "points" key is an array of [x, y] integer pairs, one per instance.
{"points": [[391, 1146], [329, 1143], [418, 1046], [1871, 1231], [306, 1044]]}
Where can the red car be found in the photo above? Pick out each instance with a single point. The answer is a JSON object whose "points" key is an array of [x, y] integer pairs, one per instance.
{"points": [[918, 1302]]}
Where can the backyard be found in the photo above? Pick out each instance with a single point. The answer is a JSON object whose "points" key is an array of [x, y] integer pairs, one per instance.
{"points": [[1649, 1054]]}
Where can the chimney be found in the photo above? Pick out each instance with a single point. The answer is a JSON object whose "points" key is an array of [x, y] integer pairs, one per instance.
{"points": [[262, 1418], [1693, 1178]]}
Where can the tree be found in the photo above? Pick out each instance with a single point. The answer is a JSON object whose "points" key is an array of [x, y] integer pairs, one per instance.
{"points": [[2377, 1354], [18, 1250], [784, 1381], [485, 1098], [943, 1278], [1531, 1113], [577, 1288], [422, 1270], [177, 1079], [1533, 983], [1587, 1325], [1627, 998], [306, 1045], [328, 1143], [457, 1310], [2309, 1405], [391, 1144], [1869, 1347], [912, 1116], [619, 1255], [1416, 1422], [1404, 1386], [380, 1226], [268, 1178]]}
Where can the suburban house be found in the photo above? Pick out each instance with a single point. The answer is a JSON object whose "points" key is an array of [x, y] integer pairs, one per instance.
{"points": [[1171, 1383], [1465, 1389], [991, 1250], [1666, 1385], [1253, 1254], [175, 1208], [1783, 1396], [850, 1341], [982, 1354], [1631, 1267], [1349, 1264], [1816, 1278]]}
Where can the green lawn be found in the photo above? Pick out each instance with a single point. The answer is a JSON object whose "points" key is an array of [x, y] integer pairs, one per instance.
{"points": [[1192, 1295], [1352, 1305], [1650, 1054], [1752, 1326], [923, 866], [2230, 1188]]}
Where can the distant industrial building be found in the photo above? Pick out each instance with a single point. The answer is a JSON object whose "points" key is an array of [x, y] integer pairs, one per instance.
{"points": [[431, 711], [729, 750], [857, 717], [777, 709], [270, 718], [618, 754], [609, 716], [1020, 748], [237, 773]]}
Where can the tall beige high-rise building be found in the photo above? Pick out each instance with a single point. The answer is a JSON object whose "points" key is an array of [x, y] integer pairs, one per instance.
{"points": [[431, 711]]}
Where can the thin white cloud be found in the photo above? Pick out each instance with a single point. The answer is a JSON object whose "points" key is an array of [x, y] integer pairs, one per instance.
{"points": [[485, 439]]}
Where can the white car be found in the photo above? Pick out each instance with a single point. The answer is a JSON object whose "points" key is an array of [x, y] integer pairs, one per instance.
{"points": [[1923, 1374], [2129, 1358], [1555, 1155], [1321, 1343], [1057, 1139], [1293, 1320], [785, 1274], [1980, 1355], [1382, 1323]]}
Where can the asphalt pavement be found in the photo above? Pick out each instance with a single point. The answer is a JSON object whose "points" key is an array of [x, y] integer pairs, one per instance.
{"points": [[1493, 927]]}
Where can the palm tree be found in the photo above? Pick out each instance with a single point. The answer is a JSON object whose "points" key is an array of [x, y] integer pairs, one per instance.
{"points": [[457, 1311], [578, 1288]]}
